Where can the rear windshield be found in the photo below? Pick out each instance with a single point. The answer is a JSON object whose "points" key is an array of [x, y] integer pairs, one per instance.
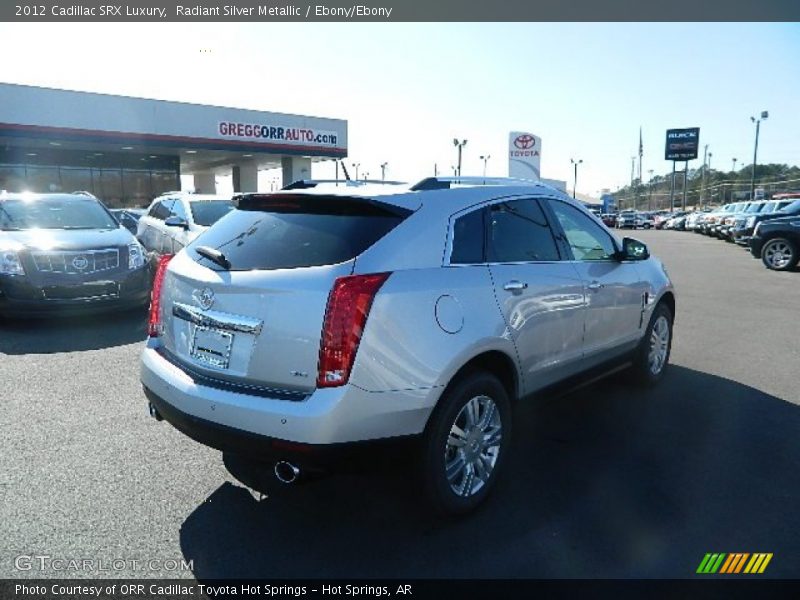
{"points": [[208, 212], [287, 233], [77, 212]]}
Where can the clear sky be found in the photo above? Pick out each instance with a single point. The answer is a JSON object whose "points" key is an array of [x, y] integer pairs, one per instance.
{"points": [[408, 89]]}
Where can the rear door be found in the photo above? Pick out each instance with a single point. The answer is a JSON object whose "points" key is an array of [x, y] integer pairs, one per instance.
{"points": [[614, 290], [259, 322], [538, 292]]}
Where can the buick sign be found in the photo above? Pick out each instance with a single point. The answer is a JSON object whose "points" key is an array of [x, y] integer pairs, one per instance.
{"points": [[682, 144]]}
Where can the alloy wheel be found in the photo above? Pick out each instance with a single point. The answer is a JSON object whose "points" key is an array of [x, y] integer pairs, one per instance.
{"points": [[777, 254], [473, 446], [659, 345]]}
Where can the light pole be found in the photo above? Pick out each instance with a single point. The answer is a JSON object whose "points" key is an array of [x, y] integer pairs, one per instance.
{"points": [[764, 115], [733, 168], [575, 164], [633, 163], [459, 145], [356, 165], [650, 196], [455, 170], [366, 175], [383, 170], [485, 159]]}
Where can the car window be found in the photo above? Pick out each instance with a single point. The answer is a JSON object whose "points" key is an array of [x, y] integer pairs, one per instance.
{"points": [[177, 210], [468, 239], [208, 212], [67, 212], [161, 209], [586, 239], [519, 232]]}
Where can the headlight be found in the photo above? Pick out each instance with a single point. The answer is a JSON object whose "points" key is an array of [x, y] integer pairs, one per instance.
{"points": [[135, 256], [750, 222], [10, 263]]}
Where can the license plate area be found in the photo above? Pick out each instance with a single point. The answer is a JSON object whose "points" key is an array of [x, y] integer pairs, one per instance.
{"points": [[211, 346]]}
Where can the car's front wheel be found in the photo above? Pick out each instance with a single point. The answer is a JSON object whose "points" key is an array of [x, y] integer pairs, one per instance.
{"points": [[652, 355], [780, 254], [465, 444]]}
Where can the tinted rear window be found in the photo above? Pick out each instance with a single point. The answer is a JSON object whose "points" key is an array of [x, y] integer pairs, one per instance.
{"points": [[280, 233]]}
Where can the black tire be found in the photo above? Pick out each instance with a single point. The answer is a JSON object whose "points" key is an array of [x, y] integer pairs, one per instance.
{"points": [[788, 251], [642, 368], [435, 448]]}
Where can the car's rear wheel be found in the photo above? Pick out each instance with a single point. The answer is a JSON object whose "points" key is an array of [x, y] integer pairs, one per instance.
{"points": [[465, 443], [780, 254], [652, 355]]}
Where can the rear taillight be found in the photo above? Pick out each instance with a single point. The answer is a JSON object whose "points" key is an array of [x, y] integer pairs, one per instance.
{"points": [[345, 317], [154, 321]]}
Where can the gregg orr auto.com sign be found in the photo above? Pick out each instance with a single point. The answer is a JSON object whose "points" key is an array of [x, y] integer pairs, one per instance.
{"points": [[257, 131], [682, 144]]}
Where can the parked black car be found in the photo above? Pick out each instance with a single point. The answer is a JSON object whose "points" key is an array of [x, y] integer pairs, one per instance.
{"points": [[128, 217], [777, 243], [743, 229], [66, 253]]}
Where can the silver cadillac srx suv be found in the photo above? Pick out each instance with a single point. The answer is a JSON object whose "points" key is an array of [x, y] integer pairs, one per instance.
{"points": [[315, 320]]}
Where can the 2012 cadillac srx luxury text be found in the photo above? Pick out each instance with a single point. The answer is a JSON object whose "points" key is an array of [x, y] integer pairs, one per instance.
{"points": [[328, 316]]}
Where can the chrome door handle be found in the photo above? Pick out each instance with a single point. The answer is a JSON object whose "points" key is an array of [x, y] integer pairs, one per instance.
{"points": [[595, 285], [515, 286]]}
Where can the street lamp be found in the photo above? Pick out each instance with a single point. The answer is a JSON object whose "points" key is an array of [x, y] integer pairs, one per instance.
{"points": [[356, 165], [459, 145], [383, 170], [575, 163], [650, 196], [366, 175], [734, 165], [485, 159], [455, 170], [764, 115]]}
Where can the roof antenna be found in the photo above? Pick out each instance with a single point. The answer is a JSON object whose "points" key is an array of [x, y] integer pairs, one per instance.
{"points": [[344, 168]]}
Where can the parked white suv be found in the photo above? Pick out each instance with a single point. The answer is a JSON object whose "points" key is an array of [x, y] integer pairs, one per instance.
{"points": [[315, 319], [174, 219]]}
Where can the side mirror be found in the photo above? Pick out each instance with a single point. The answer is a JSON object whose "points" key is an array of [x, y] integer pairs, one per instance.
{"points": [[633, 250], [176, 222]]}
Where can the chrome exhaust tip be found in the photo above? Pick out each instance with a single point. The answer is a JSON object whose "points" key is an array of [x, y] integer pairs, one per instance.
{"points": [[286, 472], [154, 412]]}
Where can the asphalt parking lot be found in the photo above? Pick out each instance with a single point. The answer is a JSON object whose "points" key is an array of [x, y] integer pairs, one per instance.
{"points": [[605, 481]]}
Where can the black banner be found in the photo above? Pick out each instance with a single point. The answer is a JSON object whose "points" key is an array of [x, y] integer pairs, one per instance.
{"points": [[111, 589], [399, 10]]}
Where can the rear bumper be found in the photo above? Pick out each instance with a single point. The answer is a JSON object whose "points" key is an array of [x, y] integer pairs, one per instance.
{"points": [[327, 416]]}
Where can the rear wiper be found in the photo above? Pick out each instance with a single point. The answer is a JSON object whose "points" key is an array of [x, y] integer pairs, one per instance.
{"points": [[214, 255]]}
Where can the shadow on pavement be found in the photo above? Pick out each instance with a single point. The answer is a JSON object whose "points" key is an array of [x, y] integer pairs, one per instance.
{"points": [[71, 334], [607, 481]]}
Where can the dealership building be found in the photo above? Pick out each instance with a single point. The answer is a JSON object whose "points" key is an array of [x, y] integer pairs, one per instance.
{"points": [[128, 150]]}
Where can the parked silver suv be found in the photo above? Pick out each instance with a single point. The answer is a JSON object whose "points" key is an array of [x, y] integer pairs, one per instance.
{"points": [[309, 320]]}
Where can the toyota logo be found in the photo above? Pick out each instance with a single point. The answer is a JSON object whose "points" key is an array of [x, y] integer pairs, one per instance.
{"points": [[80, 262], [525, 141], [204, 297]]}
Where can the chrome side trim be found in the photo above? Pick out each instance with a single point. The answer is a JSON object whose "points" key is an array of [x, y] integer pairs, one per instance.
{"points": [[217, 320]]}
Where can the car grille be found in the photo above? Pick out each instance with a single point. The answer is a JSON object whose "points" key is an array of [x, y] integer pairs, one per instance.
{"points": [[77, 262]]}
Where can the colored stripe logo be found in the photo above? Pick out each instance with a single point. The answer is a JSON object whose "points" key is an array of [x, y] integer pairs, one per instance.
{"points": [[734, 563]]}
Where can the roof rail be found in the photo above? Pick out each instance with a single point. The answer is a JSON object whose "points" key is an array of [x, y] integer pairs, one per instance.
{"points": [[445, 183], [303, 184]]}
